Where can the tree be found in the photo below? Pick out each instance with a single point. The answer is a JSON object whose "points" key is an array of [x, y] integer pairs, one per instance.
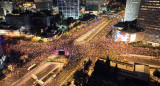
{"points": [[115, 72], [87, 65], [107, 66], [80, 78], [15, 11], [69, 20], [2, 74], [28, 12], [54, 2], [47, 12], [122, 1], [69, 83], [156, 73], [15, 57], [108, 62]]}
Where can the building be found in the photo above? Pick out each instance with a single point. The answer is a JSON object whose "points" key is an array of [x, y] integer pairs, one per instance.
{"points": [[149, 20], [10, 32], [1, 10], [69, 8], [93, 6], [29, 6], [28, 21], [43, 4], [127, 32], [132, 70], [19, 21], [104, 5], [83, 2], [40, 21], [132, 10], [19, 2], [6, 7]]}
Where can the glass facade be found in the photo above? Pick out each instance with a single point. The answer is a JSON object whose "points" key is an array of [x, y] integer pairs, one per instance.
{"points": [[93, 5], [69, 8], [43, 4], [132, 9], [149, 19]]}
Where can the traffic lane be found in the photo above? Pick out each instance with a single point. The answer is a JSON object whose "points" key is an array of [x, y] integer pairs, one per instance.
{"points": [[41, 74], [82, 39], [62, 76], [46, 70], [26, 77], [95, 32], [50, 74]]}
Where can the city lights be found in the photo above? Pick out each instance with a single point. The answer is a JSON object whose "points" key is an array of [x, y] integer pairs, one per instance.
{"points": [[79, 42]]}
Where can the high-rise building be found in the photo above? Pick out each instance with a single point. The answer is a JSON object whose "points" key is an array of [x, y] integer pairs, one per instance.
{"points": [[132, 10], [93, 6], [43, 4], [83, 2], [104, 5], [149, 20], [6, 7], [69, 8], [28, 21], [18, 20], [1, 10]]}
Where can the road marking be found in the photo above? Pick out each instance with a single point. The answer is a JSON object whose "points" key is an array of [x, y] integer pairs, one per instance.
{"points": [[27, 74], [34, 70]]}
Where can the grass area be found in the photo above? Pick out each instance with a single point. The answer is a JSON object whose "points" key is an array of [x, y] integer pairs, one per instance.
{"points": [[143, 45]]}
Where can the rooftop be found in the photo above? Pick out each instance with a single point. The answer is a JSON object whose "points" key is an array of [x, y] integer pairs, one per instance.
{"points": [[130, 27]]}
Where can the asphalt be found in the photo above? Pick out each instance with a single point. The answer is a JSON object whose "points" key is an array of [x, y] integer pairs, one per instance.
{"points": [[39, 71]]}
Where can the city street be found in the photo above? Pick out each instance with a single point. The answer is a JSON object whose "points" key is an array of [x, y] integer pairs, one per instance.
{"points": [[79, 42], [93, 32], [96, 45], [82, 40], [39, 71]]}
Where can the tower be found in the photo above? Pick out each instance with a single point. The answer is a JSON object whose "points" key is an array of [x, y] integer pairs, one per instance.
{"points": [[132, 10], [44, 4], [69, 8], [149, 20]]}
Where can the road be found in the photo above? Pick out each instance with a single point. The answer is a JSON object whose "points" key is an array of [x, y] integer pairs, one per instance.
{"points": [[93, 32], [68, 70], [71, 68], [77, 56], [40, 71], [41, 74], [90, 48]]}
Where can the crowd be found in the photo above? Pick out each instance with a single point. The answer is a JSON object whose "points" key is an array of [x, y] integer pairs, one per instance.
{"points": [[99, 46], [107, 46]]}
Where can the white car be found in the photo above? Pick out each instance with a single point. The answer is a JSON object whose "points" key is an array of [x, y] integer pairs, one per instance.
{"points": [[54, 76]]}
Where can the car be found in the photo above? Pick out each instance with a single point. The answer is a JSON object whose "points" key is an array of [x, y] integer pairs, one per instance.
{"points": [[54, 76]]}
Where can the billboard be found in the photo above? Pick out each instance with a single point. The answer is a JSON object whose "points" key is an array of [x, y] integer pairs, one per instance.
{"points": [[122, 36], [133, 38]]}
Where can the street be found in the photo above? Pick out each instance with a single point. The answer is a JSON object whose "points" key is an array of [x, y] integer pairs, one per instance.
{"points": [[40, 72]]}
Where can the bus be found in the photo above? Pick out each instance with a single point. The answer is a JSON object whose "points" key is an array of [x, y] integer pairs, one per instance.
{"points": [[31, 67], [34, 76]]}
